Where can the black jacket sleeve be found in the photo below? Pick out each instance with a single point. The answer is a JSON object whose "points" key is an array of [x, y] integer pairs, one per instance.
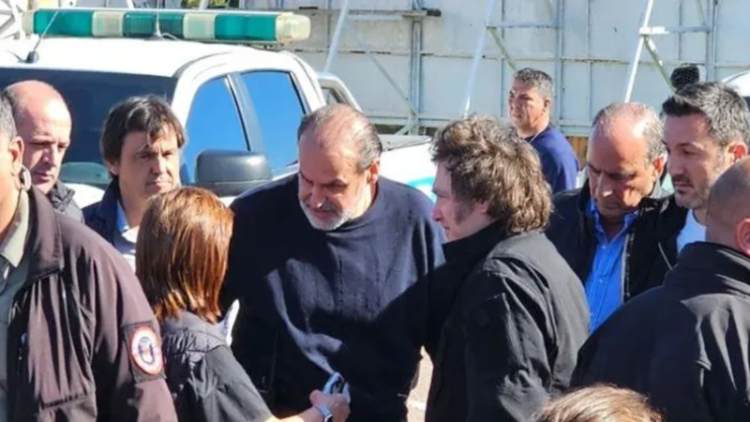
{"points": [[505, 355], [220, 390]]}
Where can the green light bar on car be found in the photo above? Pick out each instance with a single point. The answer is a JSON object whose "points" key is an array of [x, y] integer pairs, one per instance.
{"points": [[197, 25]]}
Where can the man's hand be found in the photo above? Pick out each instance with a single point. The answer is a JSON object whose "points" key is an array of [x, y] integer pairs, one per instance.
{"points": [[336, 403]]}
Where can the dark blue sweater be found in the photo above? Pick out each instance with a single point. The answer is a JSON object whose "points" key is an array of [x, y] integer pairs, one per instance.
{"points": [[353, 300], [559, 161]]}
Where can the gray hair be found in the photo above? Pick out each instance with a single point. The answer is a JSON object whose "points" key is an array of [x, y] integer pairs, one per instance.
{"points": [[653, 130], [537, 79], [724, 109], [368, 141], [7, 123]]}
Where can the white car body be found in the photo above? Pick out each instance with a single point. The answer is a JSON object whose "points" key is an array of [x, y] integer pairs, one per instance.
{"points": [[193, 64]]}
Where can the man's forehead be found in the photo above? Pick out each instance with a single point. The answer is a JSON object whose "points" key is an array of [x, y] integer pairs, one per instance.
{"points": [[521, 86]]}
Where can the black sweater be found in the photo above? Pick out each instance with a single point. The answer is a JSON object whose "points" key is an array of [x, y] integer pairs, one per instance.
{"points": [[352, 300]]}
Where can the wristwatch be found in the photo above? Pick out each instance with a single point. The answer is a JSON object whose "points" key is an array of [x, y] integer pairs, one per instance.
{"points": [[327, 415]]}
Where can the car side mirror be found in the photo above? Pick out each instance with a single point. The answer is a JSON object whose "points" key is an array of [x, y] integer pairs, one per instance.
{"points": [[230, 173]]}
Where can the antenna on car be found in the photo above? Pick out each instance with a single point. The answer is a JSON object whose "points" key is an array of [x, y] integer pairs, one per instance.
{"points": [[33, 56]]}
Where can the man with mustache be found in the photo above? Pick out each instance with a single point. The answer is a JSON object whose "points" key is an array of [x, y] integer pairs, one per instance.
{"points": [[330, 266], [530, 108], [141, 145], [43, 122], [706, 130], [617, 233]]}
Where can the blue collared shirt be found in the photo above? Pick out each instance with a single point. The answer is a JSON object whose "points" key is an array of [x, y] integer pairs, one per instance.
{"points": [[604, 284]]}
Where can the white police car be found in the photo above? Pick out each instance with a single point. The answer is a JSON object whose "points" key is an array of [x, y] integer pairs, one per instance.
{"points": [[240, 105]]}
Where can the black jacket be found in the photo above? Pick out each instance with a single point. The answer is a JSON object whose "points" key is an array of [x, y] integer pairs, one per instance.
{"points": [[650, 247], [101, 217], [83, 344], [516, 318], [684, 344], [62, 200], [206, 381]]}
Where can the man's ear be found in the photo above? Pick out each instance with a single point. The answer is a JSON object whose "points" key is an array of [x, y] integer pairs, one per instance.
{"points": [[737, 151], [373, 172], [16, 147], [113, 167], [742, 236], [659, 164]]}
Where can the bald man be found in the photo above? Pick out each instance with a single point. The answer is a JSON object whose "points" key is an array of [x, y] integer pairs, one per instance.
{"points": [[685, 344], [43, 122], [330, 266], [619, 233]]}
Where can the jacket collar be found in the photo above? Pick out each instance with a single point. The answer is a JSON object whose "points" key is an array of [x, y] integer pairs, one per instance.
{"points": [[44, 246], [716, 260], [106, 211], [60, 195], [189, 321], [476, 246]]}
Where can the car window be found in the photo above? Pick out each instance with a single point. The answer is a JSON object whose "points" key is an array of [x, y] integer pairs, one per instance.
{"points": [[214, 122], [90, 96], [278, 111]]}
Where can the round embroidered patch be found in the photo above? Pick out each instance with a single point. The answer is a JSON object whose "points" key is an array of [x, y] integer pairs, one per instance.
{"points": [[145, 350]]}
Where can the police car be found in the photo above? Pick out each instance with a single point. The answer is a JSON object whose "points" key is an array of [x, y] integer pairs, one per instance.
{"points": [[240, 105]]}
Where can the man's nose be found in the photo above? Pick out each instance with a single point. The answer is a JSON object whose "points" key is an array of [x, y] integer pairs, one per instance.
{"points": [[159, 165], [603, 187], [317, 197]]}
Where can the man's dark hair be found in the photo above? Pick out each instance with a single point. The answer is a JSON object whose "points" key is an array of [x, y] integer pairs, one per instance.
{"points": [[538, 79], [368, 140], [7, 123], [489, 162], [725, 111], [150, 114]]}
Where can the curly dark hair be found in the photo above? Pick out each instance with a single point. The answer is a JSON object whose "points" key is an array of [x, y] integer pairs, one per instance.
{"points": [[489, 162]]}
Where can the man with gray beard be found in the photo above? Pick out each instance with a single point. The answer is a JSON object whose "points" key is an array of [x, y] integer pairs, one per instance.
{"points": [[331, 269]]}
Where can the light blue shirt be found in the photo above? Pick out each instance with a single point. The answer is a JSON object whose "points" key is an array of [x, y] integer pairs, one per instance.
{"points": [[604, 284]]}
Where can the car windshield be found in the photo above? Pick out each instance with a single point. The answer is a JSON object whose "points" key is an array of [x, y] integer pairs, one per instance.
{"points": [[89, 96]]}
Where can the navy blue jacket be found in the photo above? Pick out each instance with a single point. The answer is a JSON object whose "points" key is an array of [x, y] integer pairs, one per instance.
{"points": [[559, 161], [352, 300], [101, 217]]}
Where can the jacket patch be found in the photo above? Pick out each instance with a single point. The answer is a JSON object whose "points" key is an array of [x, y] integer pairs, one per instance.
{"points": [[144, 348]]}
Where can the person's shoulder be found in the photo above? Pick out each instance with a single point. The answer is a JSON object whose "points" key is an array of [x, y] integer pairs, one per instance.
{"points": [[554, 141], [405, 196], [90, 211], [268, 194]]}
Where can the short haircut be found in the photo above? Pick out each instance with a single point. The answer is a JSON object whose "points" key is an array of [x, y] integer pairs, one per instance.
{"points": [[368, 141], [489, 162], [7, 122], [181, 254], [18, 97], [724, 109], [150, 114], [599, 404], [653, 130], [538, 79]]}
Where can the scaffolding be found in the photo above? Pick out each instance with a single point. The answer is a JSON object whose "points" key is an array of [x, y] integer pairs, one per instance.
{"points": [[497, 31], [646, 33], [343, 27]]}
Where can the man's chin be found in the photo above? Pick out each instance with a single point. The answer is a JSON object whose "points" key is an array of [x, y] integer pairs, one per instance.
{"points": [[687, 201]]}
